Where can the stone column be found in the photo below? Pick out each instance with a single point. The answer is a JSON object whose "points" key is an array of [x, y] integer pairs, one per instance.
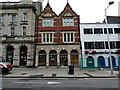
{"points": [[16, 57], [58, 60], [69, 59], [47, 60], [36, 63]]}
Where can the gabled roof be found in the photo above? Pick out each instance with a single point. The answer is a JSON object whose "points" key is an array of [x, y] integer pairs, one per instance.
{"points": [[113, 20], [46, 10], [67, 9]]}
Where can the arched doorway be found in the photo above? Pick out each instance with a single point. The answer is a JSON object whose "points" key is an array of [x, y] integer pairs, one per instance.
{"points": [[64, 58], [53, 58], [74, 57], [9, 55], [90, 62], [23, 56], [101, 62], [42, 58], [113, 61]]}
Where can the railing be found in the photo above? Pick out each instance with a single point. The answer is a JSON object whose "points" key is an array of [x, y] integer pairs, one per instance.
{"points": [[97, 63]]}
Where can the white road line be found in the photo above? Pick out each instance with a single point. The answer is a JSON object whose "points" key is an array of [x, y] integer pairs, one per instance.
{"points": [[38, 82], [30, 82], [53, 82], [100, 78]]}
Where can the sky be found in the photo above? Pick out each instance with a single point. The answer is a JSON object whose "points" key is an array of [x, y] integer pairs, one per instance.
{"points": [[90, 11]]}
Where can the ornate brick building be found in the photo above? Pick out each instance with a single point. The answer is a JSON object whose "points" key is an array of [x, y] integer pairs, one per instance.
{"points": [[57, 37]]}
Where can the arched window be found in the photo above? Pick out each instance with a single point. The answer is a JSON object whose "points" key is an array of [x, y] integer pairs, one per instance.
{"points": [[53, 58], [42, 58], [64, 58], [74, 58], [9, 55]]}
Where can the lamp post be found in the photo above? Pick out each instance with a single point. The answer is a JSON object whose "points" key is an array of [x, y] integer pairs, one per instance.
{"points": [[110, 3]]}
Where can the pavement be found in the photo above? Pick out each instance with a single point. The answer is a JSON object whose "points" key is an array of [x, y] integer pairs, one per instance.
{"points": [[62, 72]]}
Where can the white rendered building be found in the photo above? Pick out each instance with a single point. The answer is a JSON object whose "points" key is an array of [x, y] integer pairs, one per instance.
{"points": [[94, 42]]}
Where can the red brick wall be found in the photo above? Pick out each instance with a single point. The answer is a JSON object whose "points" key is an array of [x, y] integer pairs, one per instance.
{"points": [[60, 28]]}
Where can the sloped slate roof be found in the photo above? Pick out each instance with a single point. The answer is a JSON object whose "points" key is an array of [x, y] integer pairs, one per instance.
{"points": [[113, 19]]}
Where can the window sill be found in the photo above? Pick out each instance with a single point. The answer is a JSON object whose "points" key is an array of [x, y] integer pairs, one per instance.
{"points": [[47, 42], [24, 21], [68, 42], [47, 26]]}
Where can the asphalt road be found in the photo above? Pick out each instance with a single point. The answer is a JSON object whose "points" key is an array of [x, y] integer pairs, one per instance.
{"points": [[62, 84]]}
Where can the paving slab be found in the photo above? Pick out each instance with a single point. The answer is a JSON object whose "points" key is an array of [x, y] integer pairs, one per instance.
{"points": [[58, 72]]}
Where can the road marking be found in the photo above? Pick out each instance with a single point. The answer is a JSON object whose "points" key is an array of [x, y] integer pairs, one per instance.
{"points": [[53, 82], [100, 78], [30, 82], [37, 82]]}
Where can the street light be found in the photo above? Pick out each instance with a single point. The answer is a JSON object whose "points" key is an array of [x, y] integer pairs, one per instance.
{"points": [[110, 3]]}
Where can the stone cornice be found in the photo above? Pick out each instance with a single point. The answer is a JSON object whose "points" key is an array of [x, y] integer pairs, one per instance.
{"points": [[17, 6]]}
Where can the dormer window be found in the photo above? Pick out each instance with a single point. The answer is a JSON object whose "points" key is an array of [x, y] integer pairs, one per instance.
{"points": [[68, 22], [47, 22]]}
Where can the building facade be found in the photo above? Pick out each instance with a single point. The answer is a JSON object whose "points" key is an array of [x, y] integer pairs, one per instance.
{"points": [[17, 31], [94, 41], [57, 37]]}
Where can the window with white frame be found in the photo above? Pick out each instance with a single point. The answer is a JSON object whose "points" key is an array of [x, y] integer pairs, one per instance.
{"points": [[24, 30], [13, 18], [1, 18], [25, 17], [68, 37], [47, 37], [89, 45], [117, 30], [88, 31], [12, 31], [47, 22], [98, 31], [0, 31], [109, 29], [68, 22], [99, 45]]}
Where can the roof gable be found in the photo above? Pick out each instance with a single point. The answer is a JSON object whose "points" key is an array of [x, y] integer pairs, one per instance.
{"points": [[67, 12], [48, 12]]}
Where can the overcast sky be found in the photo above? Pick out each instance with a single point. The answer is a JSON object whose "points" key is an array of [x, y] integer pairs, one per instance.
{"points": [[90, 11]]}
